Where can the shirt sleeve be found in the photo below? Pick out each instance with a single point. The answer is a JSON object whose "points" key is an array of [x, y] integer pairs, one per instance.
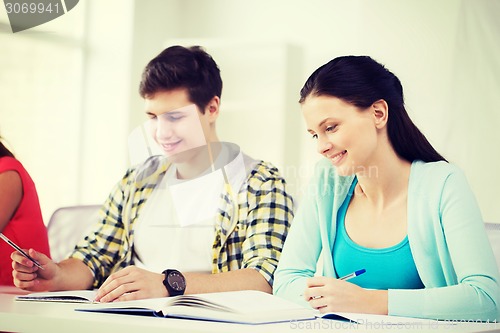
{"points": [[465, 252], [269, 216], [302, 248]]}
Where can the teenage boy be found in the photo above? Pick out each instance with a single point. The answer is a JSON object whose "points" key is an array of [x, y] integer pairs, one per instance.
{"points": [[157, 236]]}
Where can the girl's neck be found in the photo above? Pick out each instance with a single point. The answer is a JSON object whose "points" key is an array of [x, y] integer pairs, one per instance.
{"points": [[385, 183]]}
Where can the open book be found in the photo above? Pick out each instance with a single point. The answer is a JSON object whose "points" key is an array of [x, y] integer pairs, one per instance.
{"points": [[244, 307], [70, 296]]}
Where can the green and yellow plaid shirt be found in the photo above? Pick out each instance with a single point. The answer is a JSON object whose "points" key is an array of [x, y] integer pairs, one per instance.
{"points": [[253, 240]]}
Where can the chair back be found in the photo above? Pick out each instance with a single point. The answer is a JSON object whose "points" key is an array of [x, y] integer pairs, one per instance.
{"points": [[67, 226], [493, 231]]}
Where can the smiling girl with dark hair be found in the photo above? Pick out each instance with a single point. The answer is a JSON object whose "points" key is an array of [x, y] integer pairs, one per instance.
{"points": [[386, 201]]}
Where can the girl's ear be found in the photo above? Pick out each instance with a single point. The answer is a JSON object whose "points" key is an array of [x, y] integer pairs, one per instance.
{"points": [[380, 111]]}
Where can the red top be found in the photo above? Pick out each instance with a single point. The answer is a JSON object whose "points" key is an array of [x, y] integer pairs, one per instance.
{"points": [[26, 228]]}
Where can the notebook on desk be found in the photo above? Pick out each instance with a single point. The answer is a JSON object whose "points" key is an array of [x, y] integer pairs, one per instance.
{"points": [[69, 296], [243, 307]]}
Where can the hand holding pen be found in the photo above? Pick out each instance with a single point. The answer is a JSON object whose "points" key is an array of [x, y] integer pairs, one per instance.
{"points": [[331, 294], [32, 270], [350, 276], [21, 251]]}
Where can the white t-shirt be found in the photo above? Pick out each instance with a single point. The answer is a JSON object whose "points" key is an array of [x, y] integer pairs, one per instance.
{"points": [[175, 228]]}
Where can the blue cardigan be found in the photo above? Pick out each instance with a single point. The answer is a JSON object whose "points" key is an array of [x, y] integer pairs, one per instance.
{"points": [[446, 235]]}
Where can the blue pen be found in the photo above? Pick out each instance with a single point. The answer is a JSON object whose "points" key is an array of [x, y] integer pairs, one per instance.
{"points": [[354, 274], [345, 278]]}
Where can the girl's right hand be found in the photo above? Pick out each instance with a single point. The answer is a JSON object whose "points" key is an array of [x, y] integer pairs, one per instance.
{"points": [[28, 276]]}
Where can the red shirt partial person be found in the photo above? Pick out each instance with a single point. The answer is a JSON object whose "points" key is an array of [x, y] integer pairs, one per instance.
{"points": [[22, 224]]}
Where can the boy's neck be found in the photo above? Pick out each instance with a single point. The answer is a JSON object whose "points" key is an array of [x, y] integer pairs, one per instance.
{"points": [[203, 160]]}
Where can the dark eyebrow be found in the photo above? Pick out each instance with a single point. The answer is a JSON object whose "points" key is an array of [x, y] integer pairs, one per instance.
{"points": [[321, 123], [325, 120]]}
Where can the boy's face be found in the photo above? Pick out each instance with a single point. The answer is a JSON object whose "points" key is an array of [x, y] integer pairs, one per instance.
{"points": [[176, 124]]}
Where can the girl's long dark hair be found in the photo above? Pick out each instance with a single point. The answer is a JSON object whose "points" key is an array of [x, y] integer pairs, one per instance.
{"points": [[361, 81], [4, 151]]}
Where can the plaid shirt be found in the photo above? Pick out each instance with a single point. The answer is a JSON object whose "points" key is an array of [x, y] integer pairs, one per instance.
{"points": [[253, 240]]}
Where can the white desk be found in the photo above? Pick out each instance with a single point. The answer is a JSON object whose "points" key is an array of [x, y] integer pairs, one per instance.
{"points": [[16, 316]]}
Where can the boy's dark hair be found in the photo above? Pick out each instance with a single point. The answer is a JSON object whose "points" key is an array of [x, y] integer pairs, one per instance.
{"points": [[183, 67]]}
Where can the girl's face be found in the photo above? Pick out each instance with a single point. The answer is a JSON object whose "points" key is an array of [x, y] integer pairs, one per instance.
{"points": [[346, 135], [175, 124]]}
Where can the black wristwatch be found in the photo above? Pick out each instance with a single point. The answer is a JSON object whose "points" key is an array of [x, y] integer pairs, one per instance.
{"points": [[174, 282]]}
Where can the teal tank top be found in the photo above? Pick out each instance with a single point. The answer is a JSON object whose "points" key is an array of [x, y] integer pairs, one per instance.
{"points": [[387, 268]]}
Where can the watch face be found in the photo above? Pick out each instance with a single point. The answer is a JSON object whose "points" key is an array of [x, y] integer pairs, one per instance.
{"points": [[176, 281]]}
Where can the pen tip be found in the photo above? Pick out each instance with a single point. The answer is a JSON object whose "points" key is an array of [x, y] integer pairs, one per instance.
{"points": [[361, 271]]}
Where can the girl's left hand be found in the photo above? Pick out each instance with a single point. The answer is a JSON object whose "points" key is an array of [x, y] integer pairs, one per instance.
{"points": [[333, 295]]}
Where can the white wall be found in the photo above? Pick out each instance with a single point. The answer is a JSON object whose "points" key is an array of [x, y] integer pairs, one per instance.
{"points": [[64, 106], [40, 109], [445, 53], [105, 115]]}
